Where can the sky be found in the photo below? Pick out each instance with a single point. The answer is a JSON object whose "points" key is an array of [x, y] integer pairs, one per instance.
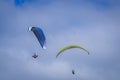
{"points": [[93, 24]]}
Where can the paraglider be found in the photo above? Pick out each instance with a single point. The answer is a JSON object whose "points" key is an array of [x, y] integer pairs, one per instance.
{"points": [[35, 55], [70, 47], [38, 32], [39, 35], [73, 72]]}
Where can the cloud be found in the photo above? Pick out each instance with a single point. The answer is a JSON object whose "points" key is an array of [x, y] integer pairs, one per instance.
{"points": [[64, 23], [22, 64]]}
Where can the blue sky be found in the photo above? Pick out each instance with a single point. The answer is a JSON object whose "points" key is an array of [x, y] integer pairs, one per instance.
{"points": [[94, 24]]}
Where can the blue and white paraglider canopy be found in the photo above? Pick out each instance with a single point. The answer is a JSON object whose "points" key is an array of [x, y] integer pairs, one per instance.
{"points": [[38, 32]]}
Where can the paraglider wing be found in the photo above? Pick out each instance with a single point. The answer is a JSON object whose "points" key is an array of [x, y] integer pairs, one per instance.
{"points": [[70, 47], [40, 36]]}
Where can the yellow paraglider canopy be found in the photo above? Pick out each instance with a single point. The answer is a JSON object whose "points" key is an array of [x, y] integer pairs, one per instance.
{"points": [[70, 47]]}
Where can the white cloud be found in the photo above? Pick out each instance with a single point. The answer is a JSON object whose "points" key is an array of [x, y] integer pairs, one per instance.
{"points": [[64, 24], [52, 70]]}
